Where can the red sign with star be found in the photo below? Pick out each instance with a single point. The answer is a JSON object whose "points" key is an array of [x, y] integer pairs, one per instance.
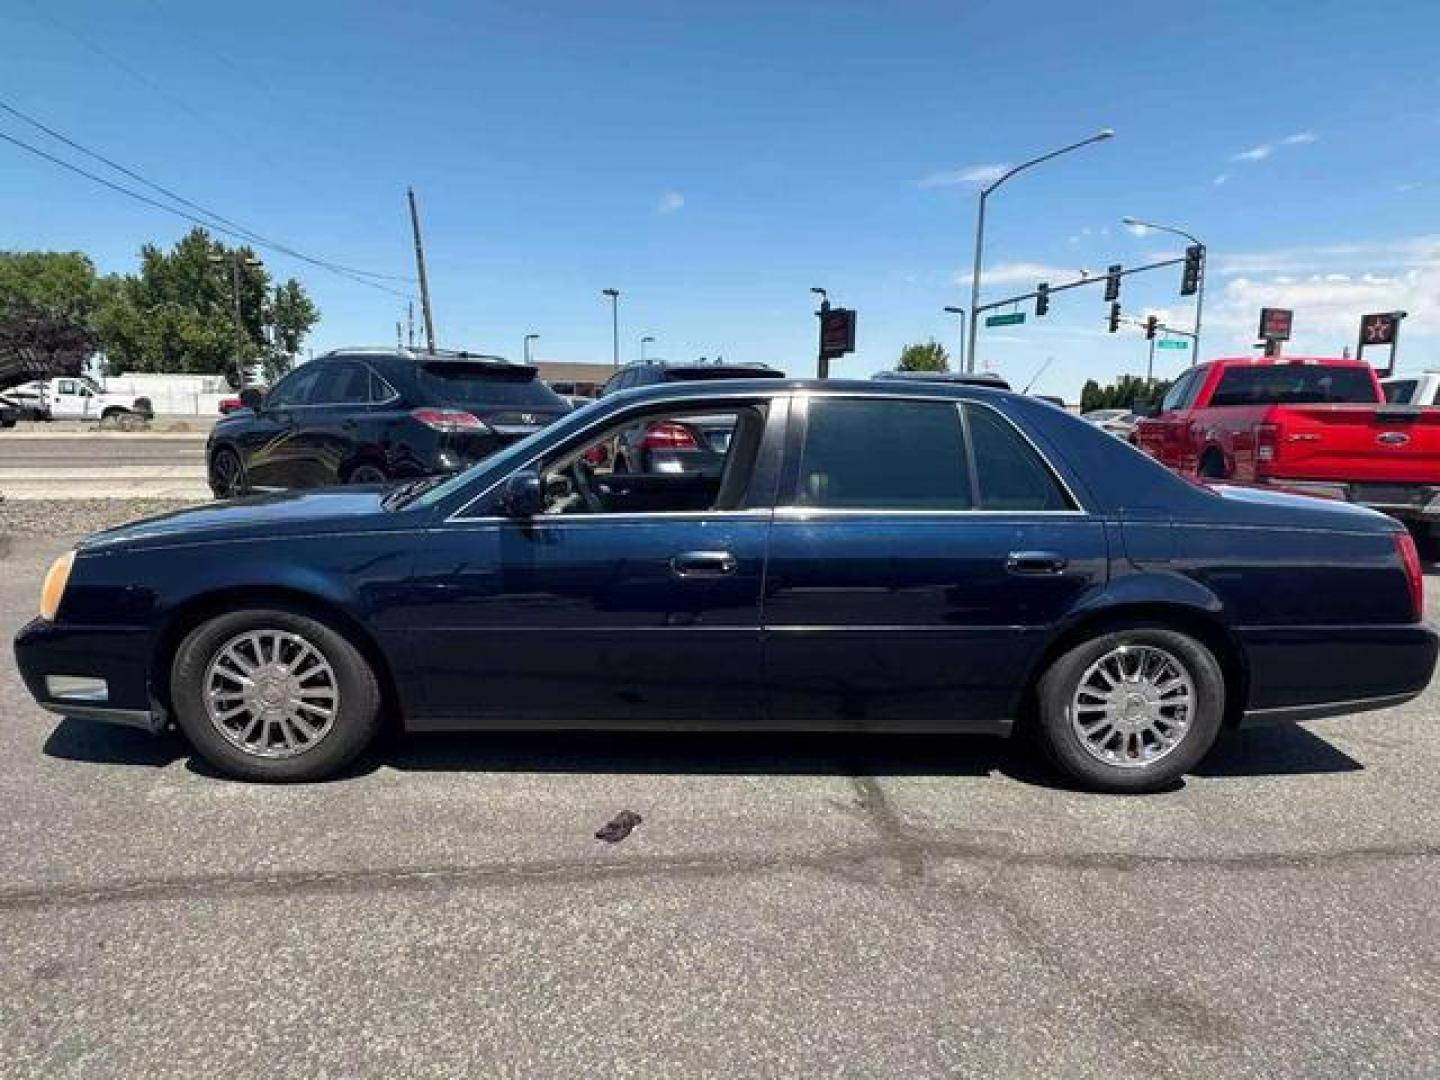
{"points": [[1378, 329]]}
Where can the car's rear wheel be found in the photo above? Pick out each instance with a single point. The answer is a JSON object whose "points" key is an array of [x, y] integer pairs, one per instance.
{"points": [[274, 695], [1132, 709], [367, 474], [227, 474]]}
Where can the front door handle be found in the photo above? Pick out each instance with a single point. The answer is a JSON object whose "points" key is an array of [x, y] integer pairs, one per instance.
{"points": [[696, 564], [1035, 562]]}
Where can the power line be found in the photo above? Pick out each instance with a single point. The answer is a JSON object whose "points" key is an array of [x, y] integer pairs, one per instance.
{"points": [[220, 218], [138, 196]]}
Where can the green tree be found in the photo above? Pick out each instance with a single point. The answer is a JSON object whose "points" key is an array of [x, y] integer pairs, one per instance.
{"points": [[927, 356], [178, 312], [47, 305], [1123, 393]]}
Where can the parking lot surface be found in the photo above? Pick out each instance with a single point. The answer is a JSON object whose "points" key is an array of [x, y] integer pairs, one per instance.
{"points": [[825, 905]]}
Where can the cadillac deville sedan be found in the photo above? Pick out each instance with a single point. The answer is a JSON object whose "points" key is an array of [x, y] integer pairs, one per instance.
{"points": [[876, 556]]}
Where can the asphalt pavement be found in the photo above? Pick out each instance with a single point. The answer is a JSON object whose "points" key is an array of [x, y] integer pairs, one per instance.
{"points": [[57, 464], [837, 906]]}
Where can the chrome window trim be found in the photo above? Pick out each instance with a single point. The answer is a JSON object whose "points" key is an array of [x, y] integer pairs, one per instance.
{"points": [[635, 517], [678, 396]]}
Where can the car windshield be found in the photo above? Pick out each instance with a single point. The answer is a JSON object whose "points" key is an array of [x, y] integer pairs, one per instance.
{"points": [[488, 386], [1295, 384]]}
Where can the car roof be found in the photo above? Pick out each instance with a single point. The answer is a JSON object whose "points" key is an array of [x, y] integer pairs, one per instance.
{"points": [[897, 388], [1282, 361], [963, 378]]}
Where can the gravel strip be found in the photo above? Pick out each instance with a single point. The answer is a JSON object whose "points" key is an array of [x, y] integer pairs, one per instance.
{"points": [[77, 517]]}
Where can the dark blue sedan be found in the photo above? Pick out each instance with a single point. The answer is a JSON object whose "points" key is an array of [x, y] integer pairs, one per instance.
{"points": [[878, 556]]}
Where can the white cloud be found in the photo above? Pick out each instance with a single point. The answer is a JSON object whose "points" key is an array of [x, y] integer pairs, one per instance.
{"points": [[1300, 138], [1409, 186], [1255, 153], [1019, 273], [670, 202], [970, 176], [1222, 179]]}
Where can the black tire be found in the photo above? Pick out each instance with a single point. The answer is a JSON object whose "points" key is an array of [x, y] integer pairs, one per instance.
{"points": [[367, 473], [1212, 465], [1060, 683], [224, 464], [357, 712]]}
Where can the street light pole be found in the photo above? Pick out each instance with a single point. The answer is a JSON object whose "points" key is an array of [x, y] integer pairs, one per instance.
{"points": [[960, 361], [614, 295], [1099, 136], [646, 340], [529, 338], [1200, 285], [235, 261]]}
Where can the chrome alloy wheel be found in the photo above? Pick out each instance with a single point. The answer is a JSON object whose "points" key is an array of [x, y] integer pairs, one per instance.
{"points": [[271, 693], [1133, 706]]}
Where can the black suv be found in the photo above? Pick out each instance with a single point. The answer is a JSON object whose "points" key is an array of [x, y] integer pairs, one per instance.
{"points": [[369, 416], [695, 444]]}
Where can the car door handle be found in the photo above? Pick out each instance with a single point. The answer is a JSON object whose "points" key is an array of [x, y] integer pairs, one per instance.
{"points": [[1035, 562], [694, 564]]}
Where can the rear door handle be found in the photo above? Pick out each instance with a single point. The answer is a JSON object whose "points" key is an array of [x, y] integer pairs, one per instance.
{"points": [[696, 564], [1035, 562]]}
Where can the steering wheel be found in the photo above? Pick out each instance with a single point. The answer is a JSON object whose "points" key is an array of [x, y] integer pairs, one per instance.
{"points": [[583, 475]]}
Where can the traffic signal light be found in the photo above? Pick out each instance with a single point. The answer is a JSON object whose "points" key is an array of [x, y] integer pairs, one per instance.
{"points": [[1150, 324], [1114, 316], [1042, 299], [1194, 267], [1112, 282]]}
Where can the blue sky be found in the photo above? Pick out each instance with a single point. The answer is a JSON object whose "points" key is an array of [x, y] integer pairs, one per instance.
{"points": [[713, 162]]}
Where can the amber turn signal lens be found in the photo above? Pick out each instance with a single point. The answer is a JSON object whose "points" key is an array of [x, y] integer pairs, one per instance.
{"points": [[54, 587]]}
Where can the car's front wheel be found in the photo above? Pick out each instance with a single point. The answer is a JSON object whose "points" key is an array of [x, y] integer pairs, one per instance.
{"points": [[1132, 709], [274, 695]]}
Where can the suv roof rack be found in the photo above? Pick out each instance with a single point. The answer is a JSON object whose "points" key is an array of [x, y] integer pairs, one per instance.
{"points": [[410, 354]]}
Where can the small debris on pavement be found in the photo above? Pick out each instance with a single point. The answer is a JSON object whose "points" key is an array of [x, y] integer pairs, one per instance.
{"points": [[618, 827]]}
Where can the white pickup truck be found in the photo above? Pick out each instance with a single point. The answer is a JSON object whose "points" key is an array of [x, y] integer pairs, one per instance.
{"points": [[77, 398], [1422, 388]]}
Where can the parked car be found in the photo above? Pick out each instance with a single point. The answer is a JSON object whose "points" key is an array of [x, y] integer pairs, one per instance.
{"points": [[875, 556], [1316, 426], [696, 444], [1118, 422], [28, 400], [1422, 388], [370, 416]]}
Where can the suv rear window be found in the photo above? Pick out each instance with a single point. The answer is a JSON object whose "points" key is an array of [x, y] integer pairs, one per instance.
{"points": [[1294, 384], [720, 371], [487, 385]]}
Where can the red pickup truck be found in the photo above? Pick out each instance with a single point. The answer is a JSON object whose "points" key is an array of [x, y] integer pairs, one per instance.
{"points": [[1317, 426]]}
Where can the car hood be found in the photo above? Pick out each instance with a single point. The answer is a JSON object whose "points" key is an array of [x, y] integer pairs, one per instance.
{"points": [[288, 513]]}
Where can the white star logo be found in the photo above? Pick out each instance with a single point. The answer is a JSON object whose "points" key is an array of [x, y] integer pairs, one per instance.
{"points": [[1376, 330]]}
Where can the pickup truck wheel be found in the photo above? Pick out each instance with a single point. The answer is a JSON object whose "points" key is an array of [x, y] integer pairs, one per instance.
{"points": [[1212, 465], [1131, 710], [227, 474], [274, 695]]}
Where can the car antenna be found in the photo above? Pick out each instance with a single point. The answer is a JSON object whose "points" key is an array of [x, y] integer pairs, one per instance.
{"points": [[1036, 377]]}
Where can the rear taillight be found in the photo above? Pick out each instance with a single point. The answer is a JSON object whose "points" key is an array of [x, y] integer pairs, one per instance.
{"points": [[447, 419], [668, 436], [1410, 560], [1266, 436]]}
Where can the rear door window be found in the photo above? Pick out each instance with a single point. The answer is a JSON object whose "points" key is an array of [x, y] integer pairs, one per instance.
{"points": [[1009, 474], [341, 382], [293, 389], [884, 455]]}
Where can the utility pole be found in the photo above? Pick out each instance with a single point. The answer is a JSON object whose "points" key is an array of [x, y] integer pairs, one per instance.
{"points": [[614, 296], [420, 271], [410, 324], [235, 261]]}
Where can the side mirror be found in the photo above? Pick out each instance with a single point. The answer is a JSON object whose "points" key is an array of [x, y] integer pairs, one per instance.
{"points": [[250, 398], [523, 496], [1145, 409]]}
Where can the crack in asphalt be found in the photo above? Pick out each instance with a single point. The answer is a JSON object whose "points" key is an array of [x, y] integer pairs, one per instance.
{"points": [[868, 862]]}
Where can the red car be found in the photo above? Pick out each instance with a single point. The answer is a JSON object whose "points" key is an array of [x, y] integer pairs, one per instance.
{"points": [[1315, 425]]}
